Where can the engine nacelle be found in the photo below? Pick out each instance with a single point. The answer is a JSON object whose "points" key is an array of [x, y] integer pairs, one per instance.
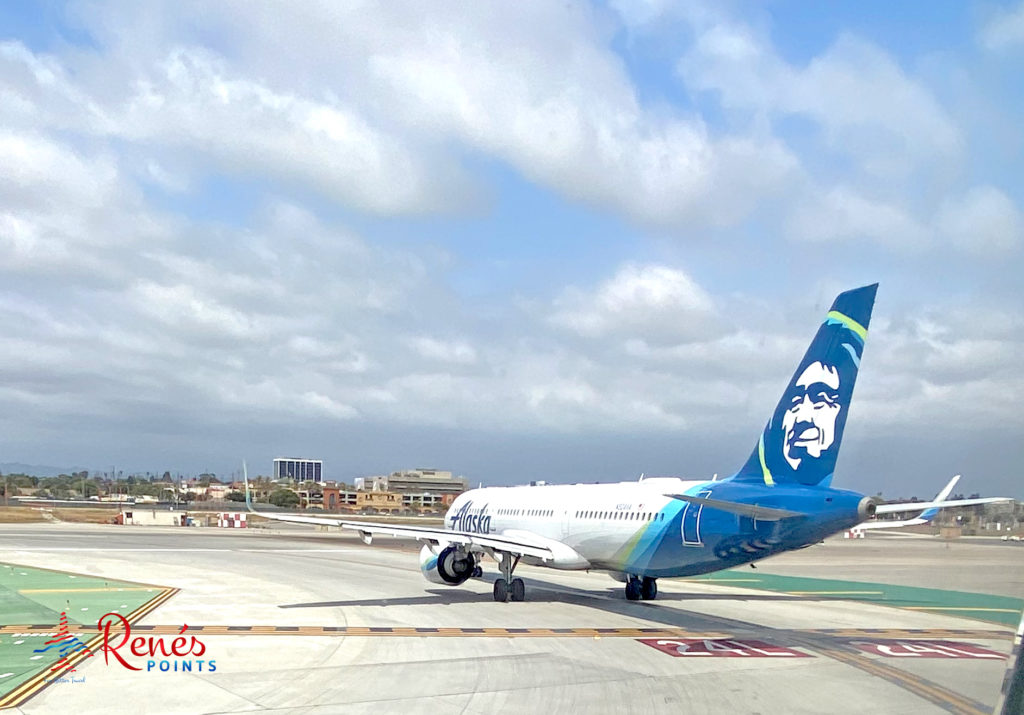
{"points": [[449, 567]]}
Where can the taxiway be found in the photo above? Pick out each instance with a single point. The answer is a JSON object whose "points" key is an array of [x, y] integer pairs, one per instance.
{"points": [[317, 622]]}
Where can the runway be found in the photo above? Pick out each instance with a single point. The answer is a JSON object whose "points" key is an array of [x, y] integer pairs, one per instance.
{"points": [[301, 621]]}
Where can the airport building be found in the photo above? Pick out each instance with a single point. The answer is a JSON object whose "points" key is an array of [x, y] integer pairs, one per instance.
{"points": [[340, 499], [301, 470], [434, 481]]}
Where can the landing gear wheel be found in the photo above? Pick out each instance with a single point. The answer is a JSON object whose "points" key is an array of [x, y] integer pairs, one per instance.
{"points": [[506, 587], [478, 572], [648, 589], [633, 589]]}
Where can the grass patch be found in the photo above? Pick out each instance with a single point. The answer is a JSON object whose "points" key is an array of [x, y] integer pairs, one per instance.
{"points": [[86, 515], [20, 515]]}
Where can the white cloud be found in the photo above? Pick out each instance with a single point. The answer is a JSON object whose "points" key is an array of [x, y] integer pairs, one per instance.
{"points": [[193, 100], [865, 104], [117, 312], [383, 118], [183, 306], [559, 107], [1005, 29], [843, 214], [451, 351], [941, 371], [984, 221], [656, 303]]}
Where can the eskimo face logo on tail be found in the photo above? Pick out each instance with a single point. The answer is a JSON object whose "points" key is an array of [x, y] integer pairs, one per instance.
{"points": [[467, 519], [809, 422]]}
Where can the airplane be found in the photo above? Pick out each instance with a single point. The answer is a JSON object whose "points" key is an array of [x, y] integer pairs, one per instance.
{"points": [[780, 499]]}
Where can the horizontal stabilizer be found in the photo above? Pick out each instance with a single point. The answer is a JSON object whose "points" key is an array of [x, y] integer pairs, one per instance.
{"points": [[761, 513], [922, 505]]}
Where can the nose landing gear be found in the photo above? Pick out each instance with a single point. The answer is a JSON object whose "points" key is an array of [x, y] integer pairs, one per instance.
{"points": [[508, 588]]}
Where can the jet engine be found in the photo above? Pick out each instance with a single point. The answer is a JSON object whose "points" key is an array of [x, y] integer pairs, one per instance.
{"points": [[450, 566]]}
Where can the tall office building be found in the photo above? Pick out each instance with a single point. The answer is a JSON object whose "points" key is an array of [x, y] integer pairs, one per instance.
{"points": [[301, 470]]}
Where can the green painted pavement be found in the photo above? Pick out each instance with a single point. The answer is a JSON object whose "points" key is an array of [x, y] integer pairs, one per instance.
{"points": [[36, 596], [981, 606]]}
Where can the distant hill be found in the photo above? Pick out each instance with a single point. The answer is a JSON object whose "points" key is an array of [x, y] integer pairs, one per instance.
{"points": [[36, 470]]}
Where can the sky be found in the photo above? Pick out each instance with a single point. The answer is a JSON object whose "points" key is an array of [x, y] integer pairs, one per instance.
{"points": [[532, 240]]}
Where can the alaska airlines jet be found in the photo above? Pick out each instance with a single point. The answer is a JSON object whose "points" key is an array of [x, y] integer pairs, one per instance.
{"points": [[780, 499]]}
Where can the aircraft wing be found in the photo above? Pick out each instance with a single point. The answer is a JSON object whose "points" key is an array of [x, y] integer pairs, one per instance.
{"points": [[924, 505], [517, 545]]}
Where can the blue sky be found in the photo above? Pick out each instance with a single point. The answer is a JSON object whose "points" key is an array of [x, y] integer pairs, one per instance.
{"points": [[572, 241]]}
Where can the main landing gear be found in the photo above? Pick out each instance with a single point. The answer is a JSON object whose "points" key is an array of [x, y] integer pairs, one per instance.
{"points": [[508, 588], [646, 588]]}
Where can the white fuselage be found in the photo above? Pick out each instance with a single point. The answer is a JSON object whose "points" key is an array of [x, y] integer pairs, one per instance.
{"points": [[586, 525]]}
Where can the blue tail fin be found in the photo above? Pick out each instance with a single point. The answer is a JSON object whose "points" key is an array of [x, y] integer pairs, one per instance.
{"points": [[800, 443]]}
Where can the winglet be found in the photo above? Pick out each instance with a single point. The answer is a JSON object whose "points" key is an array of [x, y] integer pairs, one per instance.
{"points": [[929, 514], [245, 477]]}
